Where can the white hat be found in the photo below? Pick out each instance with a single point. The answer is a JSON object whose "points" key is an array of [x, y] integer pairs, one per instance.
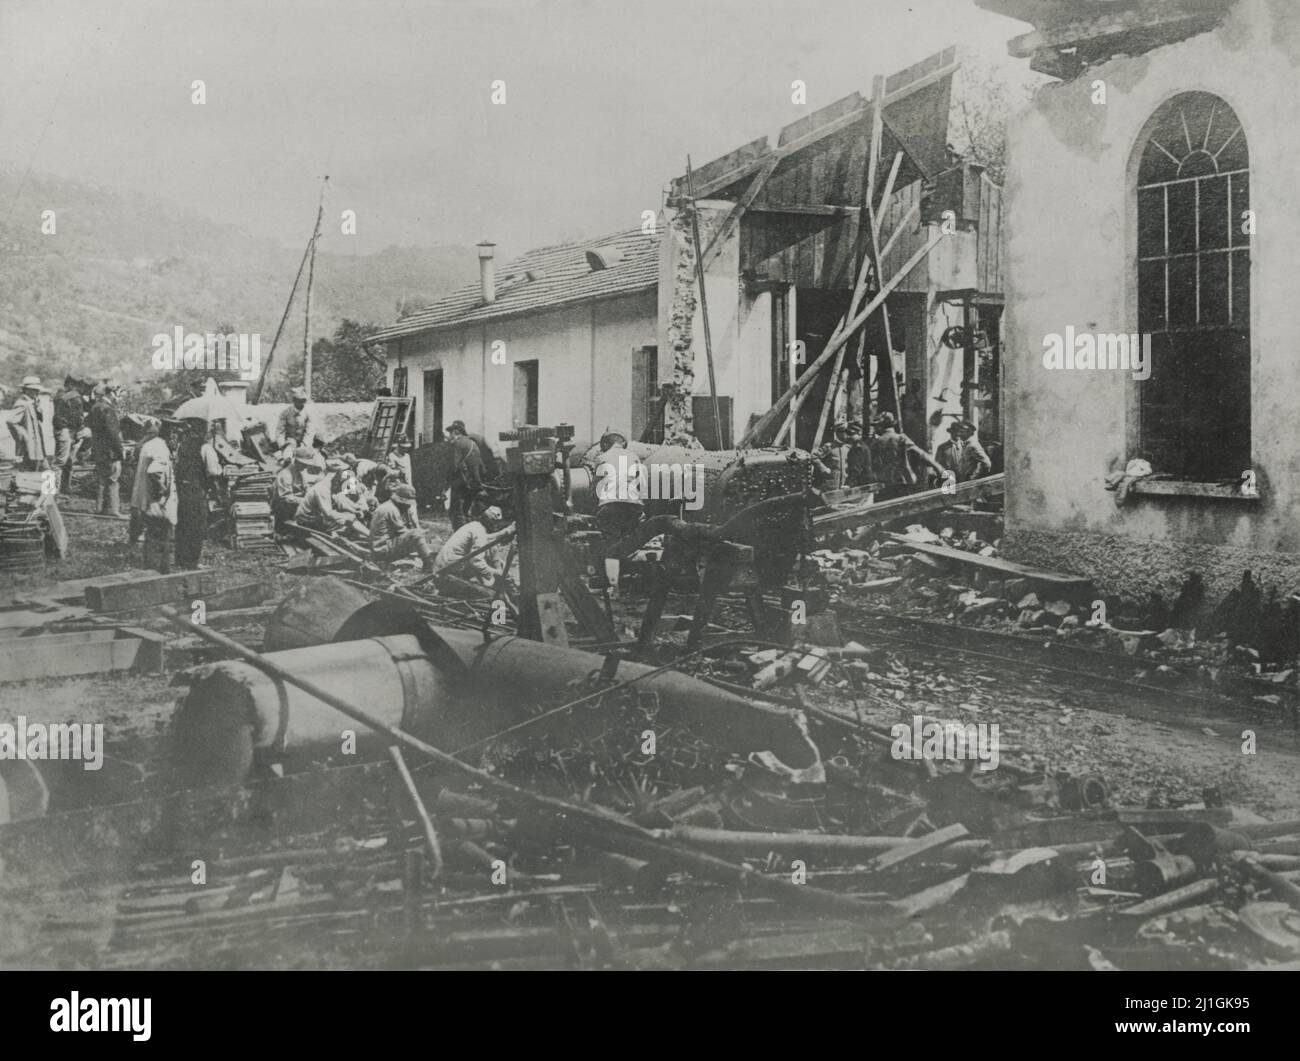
{"points": [[492, 512], [31, 383]]}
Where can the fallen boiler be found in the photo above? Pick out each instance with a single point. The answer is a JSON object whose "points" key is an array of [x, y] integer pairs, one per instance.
{"points": [[450, 687]]}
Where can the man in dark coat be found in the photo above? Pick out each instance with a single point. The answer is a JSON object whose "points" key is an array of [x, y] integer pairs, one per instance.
{"points": [[467, 473], [106, 446]]}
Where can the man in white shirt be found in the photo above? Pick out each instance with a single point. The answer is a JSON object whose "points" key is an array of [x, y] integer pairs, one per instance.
{"points": [[470, 539]]}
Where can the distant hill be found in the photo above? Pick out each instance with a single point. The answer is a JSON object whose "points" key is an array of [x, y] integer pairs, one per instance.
{"points": [[122, 267]]}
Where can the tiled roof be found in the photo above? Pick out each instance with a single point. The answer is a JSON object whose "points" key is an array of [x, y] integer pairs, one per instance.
{"points": [[542, 279]]}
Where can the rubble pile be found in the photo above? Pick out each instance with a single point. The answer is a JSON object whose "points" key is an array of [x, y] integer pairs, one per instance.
{"points": [[1246, 637]]}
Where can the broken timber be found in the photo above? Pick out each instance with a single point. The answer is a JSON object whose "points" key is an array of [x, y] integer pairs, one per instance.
{"points": [[920, 503], [1059, 582], [148, 591], [85, 652]]}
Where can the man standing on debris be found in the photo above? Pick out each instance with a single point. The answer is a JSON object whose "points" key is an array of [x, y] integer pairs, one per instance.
{"points": [[467, 473], [891, 456], [69, 415], [395, 529], [106, 445], [620, 484], [292, 483], [28, 427], [469, 543], [297, 425]]}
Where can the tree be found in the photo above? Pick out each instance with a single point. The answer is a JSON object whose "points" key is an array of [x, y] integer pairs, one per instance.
{"points": [[342, 370], [984, 97]]}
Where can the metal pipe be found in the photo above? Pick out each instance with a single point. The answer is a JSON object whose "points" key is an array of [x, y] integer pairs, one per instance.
{"points": [[597, 826]]}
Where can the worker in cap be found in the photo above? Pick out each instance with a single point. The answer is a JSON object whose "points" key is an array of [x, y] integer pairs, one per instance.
{"points": [[292, 483], [106, 446], [467, 473], [319, 510], [395, 529], [27, 424], [467, 554], [297, 424], [857, 457], [69, 416], [973, 462], [892, 458]]}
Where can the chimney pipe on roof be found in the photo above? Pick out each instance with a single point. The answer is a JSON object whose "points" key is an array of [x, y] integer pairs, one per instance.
{"points": [[487, 276]]}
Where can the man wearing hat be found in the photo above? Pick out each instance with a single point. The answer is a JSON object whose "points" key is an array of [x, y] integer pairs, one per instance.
{"points": [[974, 461], [466, 474], [857, 457], [395, 530], [28, 427], [469, 543], [195, 460], [69, 415], [297, 424], [292, 483], [322, 506], [891, 455], [106, 447]]}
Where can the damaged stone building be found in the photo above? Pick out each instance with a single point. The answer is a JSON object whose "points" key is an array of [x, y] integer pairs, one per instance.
{"points": [[1170, 130], [610, 332]]}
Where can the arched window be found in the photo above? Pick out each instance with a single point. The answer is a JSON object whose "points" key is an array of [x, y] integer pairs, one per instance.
{"points": [[1194, 289]]}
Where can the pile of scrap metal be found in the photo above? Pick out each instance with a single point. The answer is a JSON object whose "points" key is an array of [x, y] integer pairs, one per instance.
{"points": [[376, 789]]}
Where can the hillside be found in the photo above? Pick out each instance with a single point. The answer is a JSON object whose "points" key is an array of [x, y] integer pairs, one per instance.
{"points": [[122, 267]]}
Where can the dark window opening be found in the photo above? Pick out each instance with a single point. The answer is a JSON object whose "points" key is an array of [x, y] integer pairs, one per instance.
{"points": [[433, 404], [525, 409], [1194, 290]]}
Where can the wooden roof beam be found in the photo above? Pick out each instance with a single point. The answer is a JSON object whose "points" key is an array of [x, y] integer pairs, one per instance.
{"points": [[1158, 14]]}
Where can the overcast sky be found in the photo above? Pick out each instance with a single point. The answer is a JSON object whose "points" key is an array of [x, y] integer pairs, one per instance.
{"points": [[392, 100]]}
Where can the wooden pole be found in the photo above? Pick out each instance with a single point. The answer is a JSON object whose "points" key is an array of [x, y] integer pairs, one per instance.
{"points": [[311, 271], [842, 336], [704, 304], [266, 367]]}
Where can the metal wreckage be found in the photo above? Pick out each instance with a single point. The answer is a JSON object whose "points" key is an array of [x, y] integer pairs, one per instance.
{"points": [[395, 780]]}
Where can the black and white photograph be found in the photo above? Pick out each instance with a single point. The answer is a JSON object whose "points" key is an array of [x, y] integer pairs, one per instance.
{"points": [[546, 485]]}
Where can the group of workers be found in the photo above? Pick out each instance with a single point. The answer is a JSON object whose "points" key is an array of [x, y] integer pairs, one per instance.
{"points": [[892, 461]]}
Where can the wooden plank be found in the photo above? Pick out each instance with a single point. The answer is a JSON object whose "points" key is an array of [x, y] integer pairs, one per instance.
{"points": [[825, 524], [148, 591], [804, 209], [929, 842], [843, 335], [992, 563], [86, 652], [733, 217]]}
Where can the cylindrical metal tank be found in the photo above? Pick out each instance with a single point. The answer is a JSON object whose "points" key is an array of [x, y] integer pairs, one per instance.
{"points": [[235, 714]]}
